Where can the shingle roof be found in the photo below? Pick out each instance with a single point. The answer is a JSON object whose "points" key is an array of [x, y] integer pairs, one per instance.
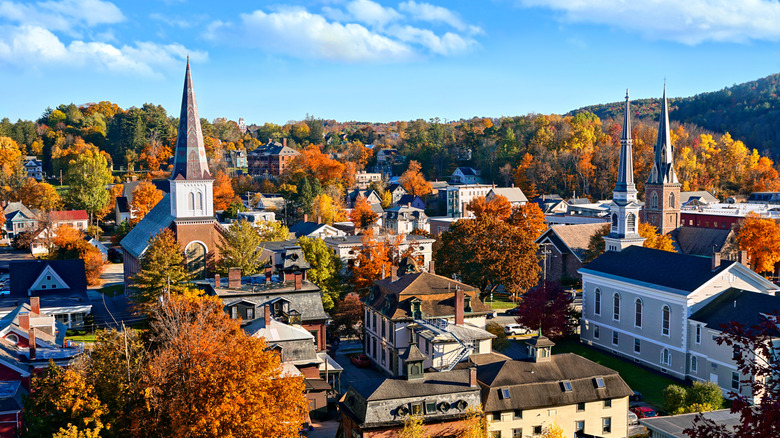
{"points": [[701, 241], [573, 238], [24, 274], [431, 384], [702, 194], [413, 353], [467, 171], [136, 241], [305, 228], [512, 194], [538, 384], [17, 208], [679, 273], [407, 199], [68, 215], [738, 305], [674, 425], [122, 204]]}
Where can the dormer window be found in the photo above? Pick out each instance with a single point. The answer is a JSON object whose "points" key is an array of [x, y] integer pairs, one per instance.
{"points": [[416, 309], [599, 382], [467, 304], [504, 393], [566, 386]]}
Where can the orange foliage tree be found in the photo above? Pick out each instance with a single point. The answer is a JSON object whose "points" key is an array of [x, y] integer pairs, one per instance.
{"points": [[655, 240], [207, 377], [70, 244], [498, 207], [362, 215], [313, 162], [145, 196], [413, 180], [529, 217], [761, 239], [223, 192], [373, 261], [38, 195]]}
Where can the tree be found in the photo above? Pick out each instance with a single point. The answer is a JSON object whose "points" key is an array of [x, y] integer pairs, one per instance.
{"points": [[498, 207], [761, 239], [272, 231], [474, 424], [528, 217], [704, 396], [548, 307], [88, 176], [500, 342], [162, 270], [325, 268], [327, 210], [362, 215], [553, 431], [70, 244], [413, 181], [373, 261], [59, 400], [223, 191], [655, 240], [241, 247], [596, 245], [38, 195], [206, 377], [414, 427], [348, 316], [145, 196], [674, 399]]}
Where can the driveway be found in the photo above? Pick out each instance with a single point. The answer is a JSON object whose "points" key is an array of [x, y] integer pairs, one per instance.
{"points": [[352, 373]]}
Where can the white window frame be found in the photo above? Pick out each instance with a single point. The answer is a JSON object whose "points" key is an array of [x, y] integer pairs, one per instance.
{"points": [[616, 300], [668, 355]]}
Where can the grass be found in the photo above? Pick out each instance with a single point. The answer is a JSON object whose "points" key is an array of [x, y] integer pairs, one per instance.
{"points": [[501, 302], [80, 336], [650, 383], [113, 290]]}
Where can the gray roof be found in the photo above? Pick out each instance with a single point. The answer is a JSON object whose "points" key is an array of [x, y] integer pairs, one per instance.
{"points": [[18, 211], [305, 228], [571, 239], [702, 195], [412, 353], [674, 425], [136, 241], [702, 241], [431, 384], [682, 274], [745, 307], [467, 171]]}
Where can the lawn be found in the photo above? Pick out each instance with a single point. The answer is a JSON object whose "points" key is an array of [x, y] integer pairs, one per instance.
{"points": [[650, 383], [80, 336], [112, 290], [500, 302]]}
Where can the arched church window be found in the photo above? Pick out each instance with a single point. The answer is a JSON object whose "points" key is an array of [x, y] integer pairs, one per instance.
{"points": [[614, 221], [200, 201], [671, 200], [196, 260], [654, 200], [630, 223], [191, 201]]}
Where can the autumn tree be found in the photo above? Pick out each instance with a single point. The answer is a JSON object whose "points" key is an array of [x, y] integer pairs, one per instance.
{"points": [[240, 247], [362, 215], [596, 245], [163, 269], [414, 427], [237, 387], [655, 240], [497, 207], [325, 269], [549, 307], [115, 191], [501, 341], [373, 261], [38, 195], [61, 399], [413, 180], [529, 217], [761, 239], [223, 191], [553, 431], [474, 424], [272, 231], [145, 196], [88, 176], [327, 210], [69, 244], [348, 316]]}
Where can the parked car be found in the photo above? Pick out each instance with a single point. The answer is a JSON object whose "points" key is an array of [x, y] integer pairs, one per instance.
{"points": [[513, 312], [644, 411], [360, 361], [635, 397], [632, 418], [515, 329]]}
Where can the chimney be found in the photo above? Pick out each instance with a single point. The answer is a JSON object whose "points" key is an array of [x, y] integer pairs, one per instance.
{"points": [[394, 273], [267, 311], [305, 217], [216, 280], [319, 219], [24, 321], [284, 141], [298, 280], [35, 306], [743, 257], [268, 274], [715, 260], [473, 377], [384, 274], [431, 268], [31, 340], [234, 278], [459, 306]]}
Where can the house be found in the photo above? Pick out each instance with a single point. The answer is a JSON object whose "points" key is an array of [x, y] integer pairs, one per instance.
{"points": [[552, 204], [514, 195], [59, 285], [387, 157], [697, 198], [673, 426], [256, 217], [19, 219], [270, 159], [764, 198], [314, 229], [442, 317], [78, 219], [123, 205], [396, 190], [274, 251], [97, 244], [293, 298], [33, 167], [364, 179], [411, 201], [458, 198], [521, 398], [237, 158], [347, 248], [371, 196], [466, 175], [122, 211], [440, 224], [188, 210], [405, 220], [562, 250], [706, 241]]}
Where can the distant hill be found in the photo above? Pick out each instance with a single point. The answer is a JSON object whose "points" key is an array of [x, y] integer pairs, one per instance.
{"points": [[749, 111]]}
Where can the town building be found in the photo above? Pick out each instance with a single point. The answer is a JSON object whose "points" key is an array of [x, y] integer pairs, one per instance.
{"points": [[19, 219], [317, 229], [458, 198], [396, 191], [188, 210], [405, 220], [697, 198], [347, 248], [562, 250], [364, 179], [123, 206], [673, 426], [514, 195], [241, 125], [237, 158], [411, 201], [33, 167], [466, 175], [78, 219], [371, 196], [270, 159], [256, 217], [440, 224]]}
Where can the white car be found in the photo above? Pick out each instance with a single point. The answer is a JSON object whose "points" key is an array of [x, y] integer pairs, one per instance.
{"points": [[515, 329]]}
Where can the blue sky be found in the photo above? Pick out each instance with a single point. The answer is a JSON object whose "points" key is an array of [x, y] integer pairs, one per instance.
{"points": [[377, 60]]}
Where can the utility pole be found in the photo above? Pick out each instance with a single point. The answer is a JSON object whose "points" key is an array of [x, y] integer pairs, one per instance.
{"points": [[545, 252]]}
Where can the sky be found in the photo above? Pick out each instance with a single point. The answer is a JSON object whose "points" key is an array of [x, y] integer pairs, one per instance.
{"points": [[377, 61]]}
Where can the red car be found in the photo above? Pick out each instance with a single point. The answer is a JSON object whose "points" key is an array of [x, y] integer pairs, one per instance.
{"points": [[643, 412], [360, 361]]}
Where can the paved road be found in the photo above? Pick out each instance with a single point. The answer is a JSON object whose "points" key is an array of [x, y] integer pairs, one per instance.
{"points": [[8, 254], [110, 312]]}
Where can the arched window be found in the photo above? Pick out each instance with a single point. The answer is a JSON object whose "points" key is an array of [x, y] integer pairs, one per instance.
{"points": [[694, 364], [666, 357], [630, 223], [191, 201], [654, 200], [614, 222], [597, 304], [200, 201], [638, 313], [665, 320], [671, 200], [616, 307], [12, 338], [196, 260]]}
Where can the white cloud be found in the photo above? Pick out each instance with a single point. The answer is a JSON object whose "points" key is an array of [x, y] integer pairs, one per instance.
{"points": [[371, 13], [689, 22], [447, 44], [433, 13], [33, 45], [63, 15]]}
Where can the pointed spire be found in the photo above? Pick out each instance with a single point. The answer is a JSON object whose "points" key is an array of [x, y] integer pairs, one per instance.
{"points": [[625, 181], [189, 160], [663, 159]]}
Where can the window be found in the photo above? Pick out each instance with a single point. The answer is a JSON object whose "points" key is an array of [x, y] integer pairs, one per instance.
{"points": [[579, 426], [566, 386], [430, 407], [580, 407], [375, 324], [250, 313], [495, 434], [517, 433], [616, 307], [417, 408], [597, 304], [504, 393], [694, 364], [638, 313], [608, 403], [671, 200], [666, 357], [518, 414], [599, 382], [596, 332], [537, 430], [614, 338], [736, 352], [48, 277], [191, 201], [614, 221], [654, 200], [606, 424], [698, 334], [384, 332], [630, 223], [234, 312], [734, 380], [665, 321], [637, 345]]}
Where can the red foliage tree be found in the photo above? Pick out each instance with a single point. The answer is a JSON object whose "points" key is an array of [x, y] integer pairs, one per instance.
{"points": [[548, 307]]}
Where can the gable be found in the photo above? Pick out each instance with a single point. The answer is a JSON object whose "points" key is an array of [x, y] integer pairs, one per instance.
{"points": [[48, 280]]}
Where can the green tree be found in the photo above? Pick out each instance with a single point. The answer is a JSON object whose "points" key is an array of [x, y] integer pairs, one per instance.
{"points": [[88, 176], [272, 231], [325, 268], [704, 396], [674, 398], [163, 269], [501, 341], [241, 247]]}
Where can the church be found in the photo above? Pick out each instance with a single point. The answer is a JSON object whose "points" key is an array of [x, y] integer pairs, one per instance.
{"points": [[188, 210]]}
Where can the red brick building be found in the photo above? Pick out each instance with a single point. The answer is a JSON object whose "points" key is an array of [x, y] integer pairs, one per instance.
{"points": [[270, 159]]}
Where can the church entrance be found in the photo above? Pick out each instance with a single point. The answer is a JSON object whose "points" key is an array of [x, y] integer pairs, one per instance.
{"points": [[196, 260]]}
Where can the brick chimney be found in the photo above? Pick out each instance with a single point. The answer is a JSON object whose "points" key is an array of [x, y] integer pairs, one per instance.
{"points": [[715, 260], [305, 217], [431, 267], [742, 257], [35, 306], [33, 347], [284, 141], [394, 273], [298, 280], [459, 306], [319, 219], [268, 274], [234, 278], [267, 316], [24, 321], [473, 377], [216, 280]]}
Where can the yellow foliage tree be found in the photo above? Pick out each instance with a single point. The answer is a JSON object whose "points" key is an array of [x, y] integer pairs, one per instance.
{"points": [[38, 195], [553, 431], [328, 210], [655, 240], [145, 196]]}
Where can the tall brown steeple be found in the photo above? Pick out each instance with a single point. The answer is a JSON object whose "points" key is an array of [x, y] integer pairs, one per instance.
{"points": [[189, 159], [662, 190]]}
